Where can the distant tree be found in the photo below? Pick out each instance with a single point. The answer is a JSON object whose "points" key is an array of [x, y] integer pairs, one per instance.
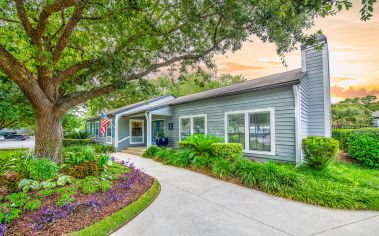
{"points": [[15, 109], [190, 83], [71, 122], [353, 112], [141, 90]]}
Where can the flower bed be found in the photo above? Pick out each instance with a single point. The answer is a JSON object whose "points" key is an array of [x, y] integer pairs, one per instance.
{"points": [[62, 204]]}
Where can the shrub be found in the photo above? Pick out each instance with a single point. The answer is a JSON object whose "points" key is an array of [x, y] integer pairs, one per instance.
{"points": [[275, 178], [43, 169], [10, 180], [200, 143], [68, 142], [151, 152], [103, 148], [15, 161], [201, 162], [344, 136], [18, 199], [222, 168], [163, 153], [76, 155], [104, 160], [9, 214], [182, 158], [319, 151], [364, 147], [230, 151], [79, 135], [105, 185], [83, 170], [32, 205], [185, 145], [248, 172]]}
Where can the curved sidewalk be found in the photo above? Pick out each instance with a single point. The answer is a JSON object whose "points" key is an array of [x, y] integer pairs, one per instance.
{"points": [[195, 204]]}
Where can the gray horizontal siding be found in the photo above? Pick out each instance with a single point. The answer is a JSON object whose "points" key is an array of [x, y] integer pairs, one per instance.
{"points": [[314, 92], [281, 99]]}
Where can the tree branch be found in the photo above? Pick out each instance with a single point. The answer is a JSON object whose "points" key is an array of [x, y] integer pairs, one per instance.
{"points": [[17, 72], [9, 20], [81, 97], [75, 99], [57, 5], [72, 70], [63, 40], [24, 17]]}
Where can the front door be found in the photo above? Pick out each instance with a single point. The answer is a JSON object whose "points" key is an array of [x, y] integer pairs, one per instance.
{"points": [[157, 127], [136, 131]]}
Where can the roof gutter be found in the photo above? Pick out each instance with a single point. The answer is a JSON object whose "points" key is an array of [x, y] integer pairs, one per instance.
{"points": [[294, 82]]}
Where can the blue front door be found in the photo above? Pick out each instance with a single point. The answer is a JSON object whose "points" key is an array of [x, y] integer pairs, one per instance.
{"points": [[157, 128]]}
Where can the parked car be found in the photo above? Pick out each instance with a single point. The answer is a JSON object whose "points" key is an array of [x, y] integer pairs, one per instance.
{"points": [[2, 137], [14, 136]]}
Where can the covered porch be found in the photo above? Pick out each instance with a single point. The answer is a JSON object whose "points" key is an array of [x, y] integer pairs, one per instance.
{"points": [[138, 130]]}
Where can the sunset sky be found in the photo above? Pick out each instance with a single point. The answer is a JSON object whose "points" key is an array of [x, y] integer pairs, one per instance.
{"points": [[353, 48]]}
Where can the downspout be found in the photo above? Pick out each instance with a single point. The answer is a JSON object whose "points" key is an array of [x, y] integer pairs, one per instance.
{"points": [[116, 132], [297, 125]]}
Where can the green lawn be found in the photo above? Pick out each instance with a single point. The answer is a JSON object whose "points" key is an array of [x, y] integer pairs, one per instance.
{"points": [[340, 185]]}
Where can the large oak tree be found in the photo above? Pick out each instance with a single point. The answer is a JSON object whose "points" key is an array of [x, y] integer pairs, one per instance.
{"points": [[62, 53]]}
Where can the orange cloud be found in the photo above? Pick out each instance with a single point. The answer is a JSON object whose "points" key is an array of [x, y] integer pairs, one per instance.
{"points": [[233, 67], [351, 92], [340, 79]]}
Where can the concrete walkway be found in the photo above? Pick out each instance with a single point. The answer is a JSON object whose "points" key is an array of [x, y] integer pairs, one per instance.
{"points": [[195, 204]]}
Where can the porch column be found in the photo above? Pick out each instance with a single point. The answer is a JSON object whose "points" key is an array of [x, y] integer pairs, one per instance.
{"points": [[116, 132], [148, 125]]}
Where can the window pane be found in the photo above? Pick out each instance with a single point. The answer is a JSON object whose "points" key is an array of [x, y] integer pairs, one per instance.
{"points": [[199, 125], [259, 131], [136, 129], [236, 128], [109, 129], [185, 128]]}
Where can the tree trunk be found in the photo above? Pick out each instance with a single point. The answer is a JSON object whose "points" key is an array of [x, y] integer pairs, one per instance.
{"points": [[48, 136]]}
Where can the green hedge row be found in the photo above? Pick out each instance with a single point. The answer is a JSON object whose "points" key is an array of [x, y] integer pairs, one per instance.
{"points": [[69, 141], [361, 145]]}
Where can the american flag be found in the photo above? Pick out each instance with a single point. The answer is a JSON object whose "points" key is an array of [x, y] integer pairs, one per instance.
{"points": [[103, 124]]}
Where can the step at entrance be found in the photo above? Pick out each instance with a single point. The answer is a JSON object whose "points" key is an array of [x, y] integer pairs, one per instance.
{"points": [[138, 151]]}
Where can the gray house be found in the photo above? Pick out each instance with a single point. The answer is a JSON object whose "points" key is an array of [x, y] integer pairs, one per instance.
{"points": [[269, 116], [375, 116]]}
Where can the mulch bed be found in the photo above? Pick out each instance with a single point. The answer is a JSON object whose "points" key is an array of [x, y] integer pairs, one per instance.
{"points": [[86, 214]]}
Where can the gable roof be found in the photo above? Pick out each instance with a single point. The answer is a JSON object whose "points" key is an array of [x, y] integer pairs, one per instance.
{"points": [[137, 106], [277, 80]]}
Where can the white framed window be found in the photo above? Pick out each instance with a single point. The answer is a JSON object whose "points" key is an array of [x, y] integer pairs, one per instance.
{"points": [[254, 129], [136, 131], [189, 125], [108, 138]]}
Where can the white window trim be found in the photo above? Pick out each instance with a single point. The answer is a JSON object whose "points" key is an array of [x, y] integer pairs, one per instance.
{"points": [[108, 139], [97, 127], [130, 131], [191, 121], [246, 114]]}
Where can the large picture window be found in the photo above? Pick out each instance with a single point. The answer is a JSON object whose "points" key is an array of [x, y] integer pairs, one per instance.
{"points": [[254, 129], [190, 125]]}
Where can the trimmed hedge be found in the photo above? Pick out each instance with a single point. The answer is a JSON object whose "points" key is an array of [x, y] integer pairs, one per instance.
{"points": [[319, 151], [69, 141], [228, 151], [361, 145]]}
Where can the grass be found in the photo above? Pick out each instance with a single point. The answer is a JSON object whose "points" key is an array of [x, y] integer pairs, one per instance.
{"points": [[115, 221], [340, 185]]}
